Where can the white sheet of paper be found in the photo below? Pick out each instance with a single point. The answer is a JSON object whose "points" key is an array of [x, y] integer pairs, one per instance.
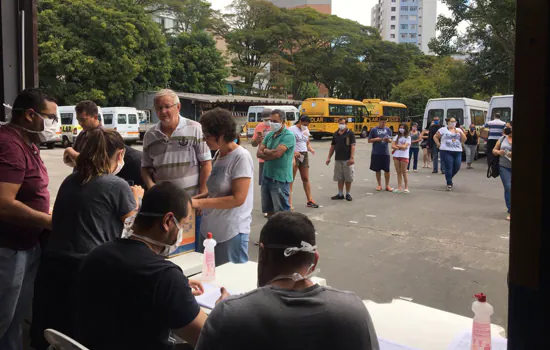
{"points": [[389, 345], [210, 296], [463, 341]]}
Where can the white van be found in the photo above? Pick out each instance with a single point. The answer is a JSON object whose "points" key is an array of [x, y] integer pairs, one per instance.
{"points": [[255, 112], [124, 120], [465, 110], [503, 105], [70, 128]]}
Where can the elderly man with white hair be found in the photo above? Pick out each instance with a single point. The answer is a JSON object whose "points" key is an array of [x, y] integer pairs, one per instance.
{"points": [[175, 150]]}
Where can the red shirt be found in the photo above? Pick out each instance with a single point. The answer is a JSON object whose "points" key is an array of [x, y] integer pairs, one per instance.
{"points": [[262, 128], [21, 164]]}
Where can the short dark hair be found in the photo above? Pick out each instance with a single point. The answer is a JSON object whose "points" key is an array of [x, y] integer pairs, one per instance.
{"points": [[281, 114], [305, 119], [497, 115], [287, 229], [88, 107], [265, 113], [218, 122], [161, 199], [383, 119], [344, 119], [30, 99]]}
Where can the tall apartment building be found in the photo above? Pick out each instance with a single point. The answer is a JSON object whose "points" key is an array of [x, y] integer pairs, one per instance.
{"points": [[406, 21], [323, 6]]}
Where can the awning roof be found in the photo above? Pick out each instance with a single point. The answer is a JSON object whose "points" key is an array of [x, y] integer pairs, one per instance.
{"points": [[236, 99]]}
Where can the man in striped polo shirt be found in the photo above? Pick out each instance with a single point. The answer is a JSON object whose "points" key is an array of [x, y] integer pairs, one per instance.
{"points": [[496, 127], [175, 150]]}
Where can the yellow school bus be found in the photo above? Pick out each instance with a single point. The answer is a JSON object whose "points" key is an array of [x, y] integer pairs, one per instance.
{"points": [[325, 112], [394, 111]]}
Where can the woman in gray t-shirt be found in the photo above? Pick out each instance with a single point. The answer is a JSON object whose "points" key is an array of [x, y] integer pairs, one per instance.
{"points": [[228, 204], [503, 149]]}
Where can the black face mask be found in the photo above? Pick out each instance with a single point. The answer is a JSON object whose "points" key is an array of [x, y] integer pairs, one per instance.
{"points": [[507, 131]]}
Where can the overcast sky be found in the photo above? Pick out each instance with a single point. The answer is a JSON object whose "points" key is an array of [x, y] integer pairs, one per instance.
{"points": [[357, 10]]}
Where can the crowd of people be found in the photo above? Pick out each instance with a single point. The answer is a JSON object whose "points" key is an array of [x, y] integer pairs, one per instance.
{"points": [[96, 264]]}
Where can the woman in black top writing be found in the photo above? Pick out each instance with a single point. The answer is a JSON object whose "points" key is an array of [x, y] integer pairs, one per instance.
{"points": [[472, 140]]}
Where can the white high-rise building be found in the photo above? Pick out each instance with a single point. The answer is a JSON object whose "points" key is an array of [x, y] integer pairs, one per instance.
{"points": [[406, 21]]}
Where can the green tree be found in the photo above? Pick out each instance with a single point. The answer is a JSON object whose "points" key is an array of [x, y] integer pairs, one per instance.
{"points": [[415, 93], [106, 51], [197, 66]]}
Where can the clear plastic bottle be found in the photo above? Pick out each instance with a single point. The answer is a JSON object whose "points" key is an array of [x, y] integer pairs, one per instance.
{"points": [[209, 259], [481, 330]]}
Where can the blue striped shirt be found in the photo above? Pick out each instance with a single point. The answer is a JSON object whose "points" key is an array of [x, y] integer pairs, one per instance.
{"points": [[496, 127]]}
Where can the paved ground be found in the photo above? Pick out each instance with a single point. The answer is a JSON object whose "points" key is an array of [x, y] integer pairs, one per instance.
{"points": [[435, 247]]}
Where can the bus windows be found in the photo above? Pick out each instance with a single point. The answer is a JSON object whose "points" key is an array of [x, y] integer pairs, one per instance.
{"points": [[395, 112], [252, 117], [432, 113], [290, 116], [477, 117], [338, 110], [458, 114], [505, 113]]}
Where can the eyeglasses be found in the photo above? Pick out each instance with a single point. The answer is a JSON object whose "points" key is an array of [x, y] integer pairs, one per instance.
{"points": [[48, 116], [161, 108]]}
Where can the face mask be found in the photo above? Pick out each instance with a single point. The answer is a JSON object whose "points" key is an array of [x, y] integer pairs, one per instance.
{"points": [[275, 126], [507, 131], [402, 130], [47, 133], [236, 140], [119, 167], [304, 128], [436, 122], [414, 128], [342, 126], [472, 128], [168, 249], [452, 124], [289, 251]]}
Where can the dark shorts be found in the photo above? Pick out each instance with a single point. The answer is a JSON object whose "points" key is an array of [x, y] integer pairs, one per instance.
{"points": [[304, 162], [380, 163], [261, 173]]}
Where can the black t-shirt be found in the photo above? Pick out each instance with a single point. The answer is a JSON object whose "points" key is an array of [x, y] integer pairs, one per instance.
{"points": [[433, 130], [471, 139], [128, 297], [342, 144]]}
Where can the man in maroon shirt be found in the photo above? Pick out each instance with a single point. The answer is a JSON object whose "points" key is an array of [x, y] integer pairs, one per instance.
{"points": [[24, 208]]}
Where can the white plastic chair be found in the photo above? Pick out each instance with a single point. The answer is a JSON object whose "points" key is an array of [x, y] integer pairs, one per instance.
{"points": [[59, 341]]}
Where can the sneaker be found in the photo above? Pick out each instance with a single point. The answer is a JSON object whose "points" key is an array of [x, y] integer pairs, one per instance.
{"points": [[449, 188], [312, 204], [442, 173], [348, 197], [337, 197], [434, 172]]}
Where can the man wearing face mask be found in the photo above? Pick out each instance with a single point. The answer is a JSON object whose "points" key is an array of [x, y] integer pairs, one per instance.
{"points": [[128, 295], [302, 314], [277, 150], [24, 207], [343, 143]]}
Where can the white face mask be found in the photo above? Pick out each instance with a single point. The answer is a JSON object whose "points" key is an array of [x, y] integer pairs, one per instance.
{"points": [[342, 126], [304, 128], [275, 126], [452, 124], [402, 130], [119, 167], [47, 133], [168, 249]]}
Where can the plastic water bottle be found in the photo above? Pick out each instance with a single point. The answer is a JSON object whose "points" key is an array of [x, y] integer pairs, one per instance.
{"points": [[481, 330], [209, 259]]}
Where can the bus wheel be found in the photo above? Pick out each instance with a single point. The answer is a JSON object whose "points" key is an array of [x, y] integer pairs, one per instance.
{"points": [[317, 137], [65, 143], [364, 133]]}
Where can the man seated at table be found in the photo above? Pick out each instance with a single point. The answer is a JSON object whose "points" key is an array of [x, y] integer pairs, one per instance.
{"points": [[289, 311], [129, 296]]}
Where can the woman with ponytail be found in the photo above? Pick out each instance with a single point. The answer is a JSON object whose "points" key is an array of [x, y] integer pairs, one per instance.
{"points": [[90, 209]]}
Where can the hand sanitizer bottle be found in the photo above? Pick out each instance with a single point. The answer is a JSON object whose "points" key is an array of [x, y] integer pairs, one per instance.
{"points": [[209, 259], [481, 330]]}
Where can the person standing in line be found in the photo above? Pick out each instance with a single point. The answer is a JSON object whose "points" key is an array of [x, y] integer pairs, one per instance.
{"points": [[343, 144], [90, 209], [260, 132], [400, 147], [471, 144], [496, 127], [426, 152], [415, 147], [434, 128], [87, 114], [277, 150], [227, 206], [449, 141], [380, 136], [174, 150], [301, 158], [24, 207], [503, 149]]}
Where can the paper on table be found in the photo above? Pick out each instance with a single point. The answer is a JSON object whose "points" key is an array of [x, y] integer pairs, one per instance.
{"points": [[388, 345], [463, 341], [210, 296]]}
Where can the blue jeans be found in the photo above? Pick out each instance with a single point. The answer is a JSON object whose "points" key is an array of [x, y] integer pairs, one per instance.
{"points": [[450, 161], [413, 152], [17, 272], [275, 196], [435, 159], [506, 177], [234, 250]]}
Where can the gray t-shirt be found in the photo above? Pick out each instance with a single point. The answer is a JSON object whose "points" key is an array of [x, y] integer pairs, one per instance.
{"points": [[227, 223], [380, 147], [271, 318], [505, 145], [85, 216]]}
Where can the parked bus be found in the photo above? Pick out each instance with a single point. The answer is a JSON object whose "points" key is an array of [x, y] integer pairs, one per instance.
{"points": [[394, 111], [503, 105], [325, 112], [465, 110], [255, 112], [70, 127]]}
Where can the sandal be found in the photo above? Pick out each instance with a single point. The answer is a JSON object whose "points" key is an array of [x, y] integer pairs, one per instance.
{"points": [[509, 218], [397, 191], [406, 191], [389, 189], [379, 188]]}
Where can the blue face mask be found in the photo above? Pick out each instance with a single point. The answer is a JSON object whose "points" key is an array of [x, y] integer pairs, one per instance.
{"points": [[236, 140], [436, 122]]}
